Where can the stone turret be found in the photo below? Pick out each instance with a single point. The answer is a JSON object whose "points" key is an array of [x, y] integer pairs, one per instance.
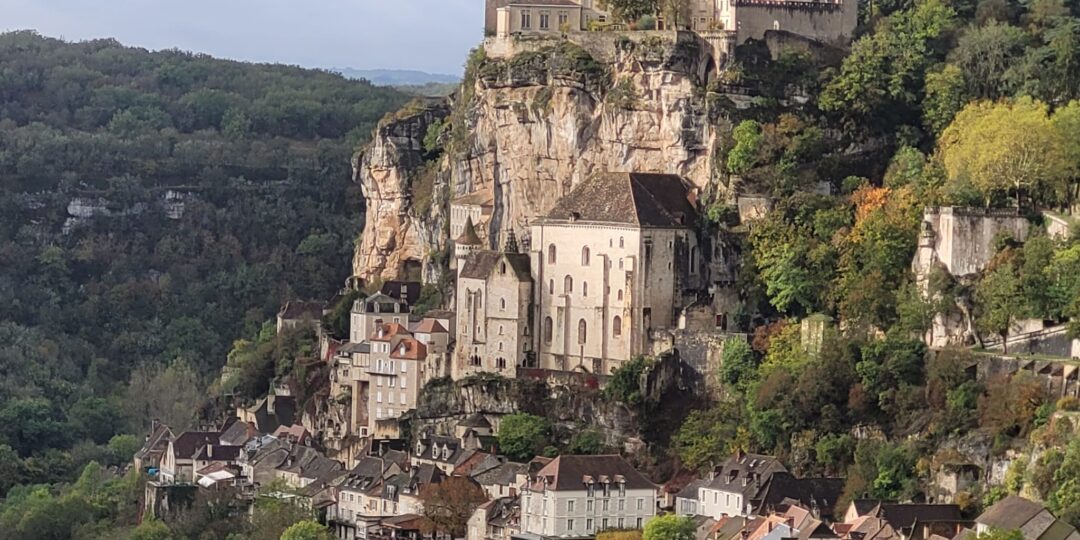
{"points": [[466, 244], [511, 244]]}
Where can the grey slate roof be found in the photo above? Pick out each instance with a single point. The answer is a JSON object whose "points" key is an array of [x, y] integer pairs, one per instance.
{"points": [[481, 264], [646, 200], [572, 473]]}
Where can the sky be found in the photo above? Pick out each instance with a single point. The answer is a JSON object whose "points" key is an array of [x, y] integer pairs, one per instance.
{"points": [[427, 35]]}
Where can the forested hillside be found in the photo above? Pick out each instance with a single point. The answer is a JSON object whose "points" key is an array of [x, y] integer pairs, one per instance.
{"points": [[946, 103], [155, 207]]}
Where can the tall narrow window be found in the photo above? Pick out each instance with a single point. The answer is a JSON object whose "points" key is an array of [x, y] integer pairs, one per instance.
{"points": [[621, 243], [545, 20], [568, 285], [584, 288], [548, 327], [582, 331], [551, 254], [502, 303], [616, 326], [585, 256], [526, 19], [618, 295]]}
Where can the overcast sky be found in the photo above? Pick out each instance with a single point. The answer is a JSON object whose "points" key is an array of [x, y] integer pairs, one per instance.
{"points": [[428, 35]]}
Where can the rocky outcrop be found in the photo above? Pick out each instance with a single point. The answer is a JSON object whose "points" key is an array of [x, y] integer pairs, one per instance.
{"points": [[444, 403], [532, 126], [396, 174]]}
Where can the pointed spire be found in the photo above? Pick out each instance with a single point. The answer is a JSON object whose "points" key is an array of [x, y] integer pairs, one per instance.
{"points": [[468, 236], [511, 245]]}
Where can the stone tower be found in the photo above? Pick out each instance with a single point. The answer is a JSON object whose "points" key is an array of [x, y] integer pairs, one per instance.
{"points": [[466, 244]]}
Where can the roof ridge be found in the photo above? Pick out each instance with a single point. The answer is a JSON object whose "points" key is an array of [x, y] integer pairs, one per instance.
{"points": [[631, 182]]}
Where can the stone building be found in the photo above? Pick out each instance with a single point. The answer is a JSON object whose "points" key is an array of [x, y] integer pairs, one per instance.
{"points": [[494, 295], [578, 496], [396, 371], [368, 313], [830, 21], [611, 262], [476, 207], [507, 17]]}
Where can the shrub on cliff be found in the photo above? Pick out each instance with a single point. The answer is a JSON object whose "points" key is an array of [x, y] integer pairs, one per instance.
{"points": [[523, 436]]}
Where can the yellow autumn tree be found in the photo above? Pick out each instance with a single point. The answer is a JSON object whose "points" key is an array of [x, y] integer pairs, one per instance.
{"points": [[1006, 149]]}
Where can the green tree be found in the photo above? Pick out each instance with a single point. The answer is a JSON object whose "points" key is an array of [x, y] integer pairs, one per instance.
{"points": [[1000, 299], [946, 94], [669, 527], [1006, 148], [307, 530], [744, 155], [880, 83], [986, 54], [629, 11], [738, 367], [151, 529], [523, 436]]}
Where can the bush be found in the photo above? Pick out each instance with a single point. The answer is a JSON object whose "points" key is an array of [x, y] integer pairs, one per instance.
{"points": [[1068, 404], [523, 436]]}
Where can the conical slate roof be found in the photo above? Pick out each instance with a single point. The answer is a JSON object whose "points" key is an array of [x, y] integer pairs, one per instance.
{"points": [[468, 236]]}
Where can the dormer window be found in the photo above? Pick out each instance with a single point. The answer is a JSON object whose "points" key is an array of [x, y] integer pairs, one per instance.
{"points": [[592, 489], [419, 448], [401, 349]]}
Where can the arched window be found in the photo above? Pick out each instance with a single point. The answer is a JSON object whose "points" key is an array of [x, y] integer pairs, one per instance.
{"points": [[619, 295], [551, 254], [585, 256], [616, 326], [568, 285], [502, 268], [693, 260], [500, 333], [582, 331], [621, 243], [502, 303], [584, 288], [551, 286], [500, 345], [479, 299], [547, 329]]}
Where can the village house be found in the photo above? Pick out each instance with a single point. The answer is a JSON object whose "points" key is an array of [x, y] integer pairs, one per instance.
{"points": [[178, 462], [296, 313], [444, 453], [496, 519], [611, 262], [154, 447], [901, 521], [737, 485], [1033, 520], [577, 496], [436, 338], [395, 370], [356, 509]]}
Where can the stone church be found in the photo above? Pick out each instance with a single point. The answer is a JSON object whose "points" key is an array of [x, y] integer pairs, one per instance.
{"points": [[611, 264]]}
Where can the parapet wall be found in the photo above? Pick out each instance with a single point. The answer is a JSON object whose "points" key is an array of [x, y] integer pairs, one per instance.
{"points": [[963, 238], [602, 46]]}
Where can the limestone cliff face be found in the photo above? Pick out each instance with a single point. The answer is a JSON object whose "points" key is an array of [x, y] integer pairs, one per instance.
{"points": [[534, 124], [395, 179]]}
